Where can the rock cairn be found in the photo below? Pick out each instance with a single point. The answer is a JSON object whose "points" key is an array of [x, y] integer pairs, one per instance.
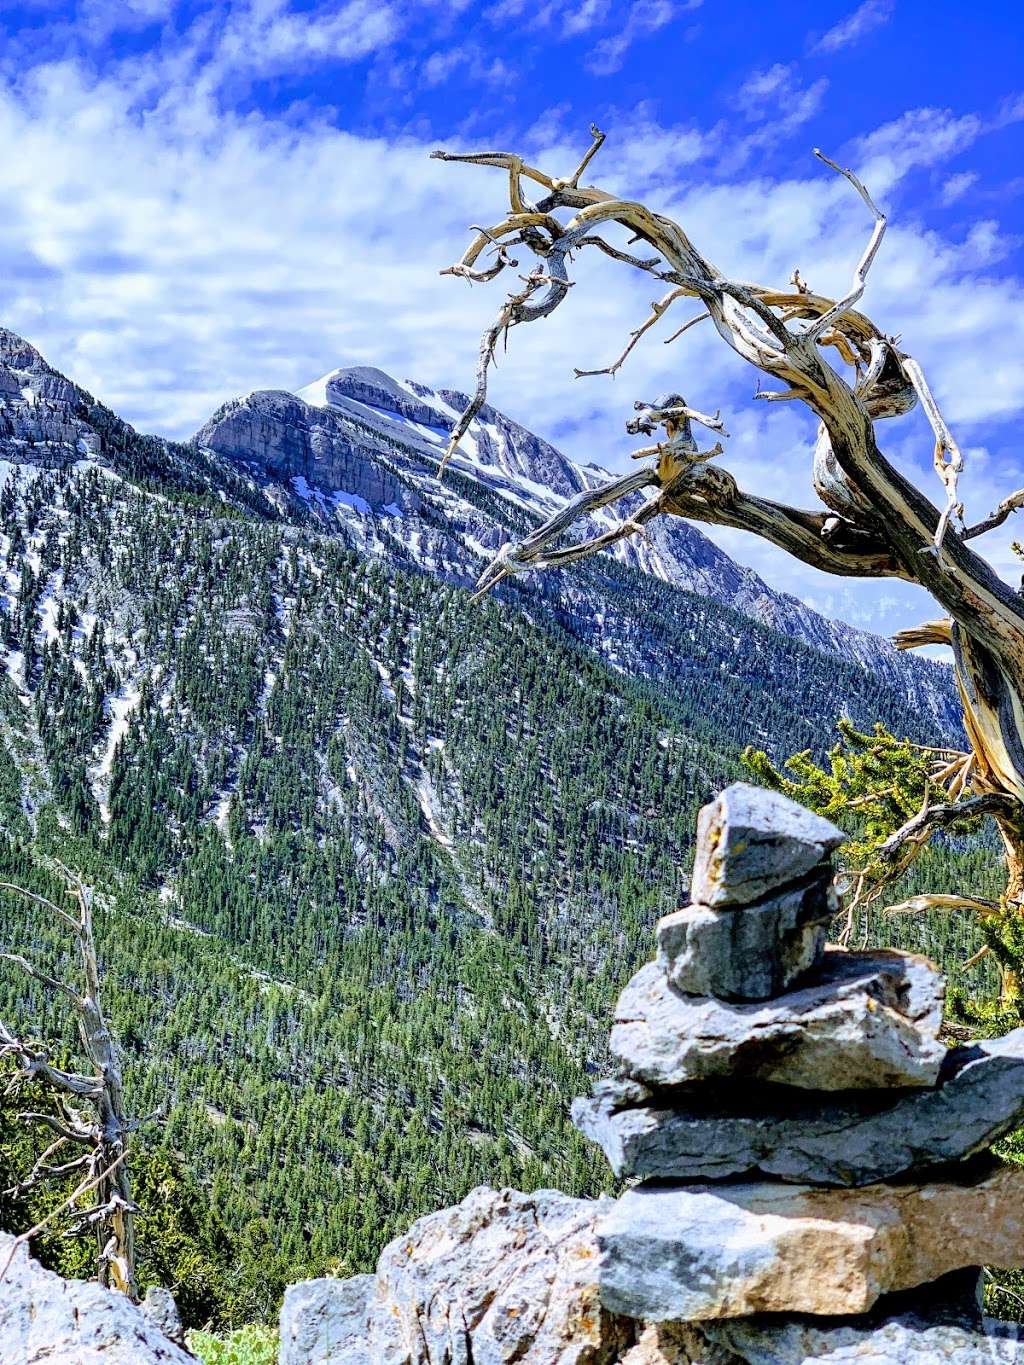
{"points": [[803, 1142]]}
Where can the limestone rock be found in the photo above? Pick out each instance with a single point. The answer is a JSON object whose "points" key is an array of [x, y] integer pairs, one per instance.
{"points": [[709, 1132], [160, 1309], [502, 1276], [907, 1340], [324, 1322], [707, 1252], [750, 841], [941, 1321], [293, 440], [73, 1322], [677, 1343], [864, 1020], [750, 952]]}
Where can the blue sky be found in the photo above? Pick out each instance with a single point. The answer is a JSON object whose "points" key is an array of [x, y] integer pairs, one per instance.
{"points": [[205, 199]]}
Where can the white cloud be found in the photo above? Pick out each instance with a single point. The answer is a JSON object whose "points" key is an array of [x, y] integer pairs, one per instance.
{"points": [[867, 17], [958, 185]]}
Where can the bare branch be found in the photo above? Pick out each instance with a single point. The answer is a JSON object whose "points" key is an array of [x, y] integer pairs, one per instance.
{"points": [[598, 136], [701, 317], [67, 1134], [919, 828], [948, 470], [50, 981], [515, 559], [1011, 504], [73, 1197], [938, 901], [639, 263], [816, 330], [657, 309], [47, 904]]}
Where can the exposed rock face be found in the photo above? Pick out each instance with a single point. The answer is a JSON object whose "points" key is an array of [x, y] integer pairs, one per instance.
{"points": [[324, 1322], [751, 841], [44, 1318], [865, 1020], [160, 1309], [292, 440], [501, 1277], [748, 952], [39, 423], [721, 1251], [713, 1133]]}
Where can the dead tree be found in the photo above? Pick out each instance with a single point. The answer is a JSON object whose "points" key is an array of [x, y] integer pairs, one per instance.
{"points": [[872, 522], [90, 1129]]}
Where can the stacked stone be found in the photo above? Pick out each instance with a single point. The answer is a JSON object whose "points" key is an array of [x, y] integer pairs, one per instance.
{"points": [[804, 1142]]}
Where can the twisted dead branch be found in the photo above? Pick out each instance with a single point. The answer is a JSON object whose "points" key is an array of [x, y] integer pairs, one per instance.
{"points": [[831, 357]]}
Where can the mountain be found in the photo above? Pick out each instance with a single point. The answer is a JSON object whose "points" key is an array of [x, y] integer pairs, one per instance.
{"points": [[338, 440], [372, 860]]}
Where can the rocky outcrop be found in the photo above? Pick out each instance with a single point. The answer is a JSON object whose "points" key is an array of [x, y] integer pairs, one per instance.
{"points": [[39, 420], [837, 1080], [501, 1277], [292, 441], [44, 1318], [325, 1322]]}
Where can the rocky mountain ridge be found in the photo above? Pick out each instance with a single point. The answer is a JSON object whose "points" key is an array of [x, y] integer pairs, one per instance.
{"points": [[337, 440]]}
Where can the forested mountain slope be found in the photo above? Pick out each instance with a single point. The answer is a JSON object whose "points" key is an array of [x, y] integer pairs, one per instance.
{"points": [[373, 859]]}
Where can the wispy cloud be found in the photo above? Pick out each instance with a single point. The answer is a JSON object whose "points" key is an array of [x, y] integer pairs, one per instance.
{"points": [[957, 186], [644, 17], [867, 17]]}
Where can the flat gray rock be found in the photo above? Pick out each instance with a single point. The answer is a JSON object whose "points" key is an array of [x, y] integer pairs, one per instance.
{"points": [[865, 1021], [324, 1322], [750, 952], [701, 1252], [44, 1318], [751, 841], [907, 1339], [709, 1132]]}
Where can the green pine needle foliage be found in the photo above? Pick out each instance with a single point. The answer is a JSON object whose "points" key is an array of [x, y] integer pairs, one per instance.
{"points": [[870, 785]]}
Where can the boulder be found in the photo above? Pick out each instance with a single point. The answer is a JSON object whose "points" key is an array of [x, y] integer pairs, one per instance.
{"points": [[324, 1322], [160, 1309], [751, 841], [863, 1021], [72, 1322], [710, 1132], [704, 1252], [503, 1276], [750, 952]]}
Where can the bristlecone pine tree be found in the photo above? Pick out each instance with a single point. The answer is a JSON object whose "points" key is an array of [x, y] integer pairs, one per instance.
{"points": [[831, 357]]}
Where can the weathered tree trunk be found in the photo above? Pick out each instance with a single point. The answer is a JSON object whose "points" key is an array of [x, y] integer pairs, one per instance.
{"points": [[111, 1219]]}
